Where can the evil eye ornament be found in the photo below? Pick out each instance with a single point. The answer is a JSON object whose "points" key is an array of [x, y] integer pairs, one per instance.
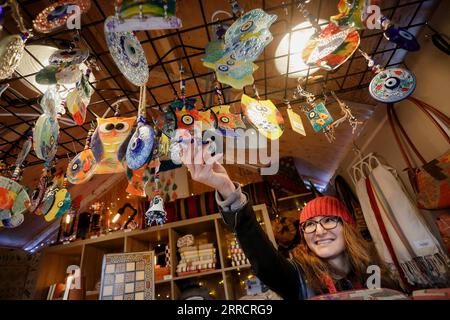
{"points": [[249, 35], [188, 119], [81, 168], [48, 200], [140, 146], [403, 38], [352, 13], [264, 116], [127, 53], [57, 15], [229, 70], [392, 85], [68, 57]]}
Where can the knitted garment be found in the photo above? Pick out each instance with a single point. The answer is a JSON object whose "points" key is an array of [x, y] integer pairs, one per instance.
{"points": [[326, 206]]}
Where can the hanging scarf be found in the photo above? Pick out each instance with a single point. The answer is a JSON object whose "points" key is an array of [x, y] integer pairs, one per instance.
{"points": [[400, 235]]}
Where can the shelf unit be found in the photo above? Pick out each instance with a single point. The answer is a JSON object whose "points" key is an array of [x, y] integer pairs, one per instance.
{"points": [[223, 282]]}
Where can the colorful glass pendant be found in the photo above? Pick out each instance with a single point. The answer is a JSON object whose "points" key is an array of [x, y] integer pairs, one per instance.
{"points": [[156, 212], [392, 85], [76, 106], [228, 69], [45, 137], [57, 15], [68, 74], [69, 57], [38, 193], [137, 179], [82, 167], [352, 13], [60, 205], [319, 117], [249, 35], [331, 48], [140, 147], [127, 53], [109, 143], [227, 122], [187, 119], [11, 51], [146, 15], [264, 116], [403, 38]]}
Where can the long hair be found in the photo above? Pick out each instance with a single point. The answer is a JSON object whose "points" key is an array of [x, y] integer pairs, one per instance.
{"points": [[360, 254]]}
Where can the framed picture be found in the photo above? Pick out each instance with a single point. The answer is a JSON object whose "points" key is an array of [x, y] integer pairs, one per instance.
{"points": [[128, 276]]}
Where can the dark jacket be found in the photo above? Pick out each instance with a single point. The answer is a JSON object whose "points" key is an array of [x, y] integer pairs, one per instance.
{"points": [[282, 275]]}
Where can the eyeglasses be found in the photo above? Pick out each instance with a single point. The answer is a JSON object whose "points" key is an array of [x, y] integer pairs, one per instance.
{"points": [[328, 223]]}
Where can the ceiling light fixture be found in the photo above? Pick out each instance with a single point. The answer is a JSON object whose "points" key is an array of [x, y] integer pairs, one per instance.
{"points": [[300, 35]]}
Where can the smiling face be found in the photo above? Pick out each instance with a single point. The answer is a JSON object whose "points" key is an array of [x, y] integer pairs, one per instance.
{"points": [[326, 244]]}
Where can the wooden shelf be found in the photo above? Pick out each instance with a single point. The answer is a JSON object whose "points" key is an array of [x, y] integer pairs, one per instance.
{"points": [[88, 254]]}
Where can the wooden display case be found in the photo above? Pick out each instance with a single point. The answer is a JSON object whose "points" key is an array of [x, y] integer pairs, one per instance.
{"points": [[223, 282]]}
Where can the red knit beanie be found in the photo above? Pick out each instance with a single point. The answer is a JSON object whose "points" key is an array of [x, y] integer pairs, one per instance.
{"points": [[326, 206]]}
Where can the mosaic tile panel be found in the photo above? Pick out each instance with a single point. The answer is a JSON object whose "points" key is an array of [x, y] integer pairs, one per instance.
{"points": [[128, 276]]}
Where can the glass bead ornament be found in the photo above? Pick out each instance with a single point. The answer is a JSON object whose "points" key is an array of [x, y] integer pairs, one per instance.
{"points": [[249, 34], [402, 38], [38, 193], [127, 53], [78, 99], [56, 16], [263, 116]]}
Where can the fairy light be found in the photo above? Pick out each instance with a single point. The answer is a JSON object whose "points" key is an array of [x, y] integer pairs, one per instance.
{"points": [[116, 218]]}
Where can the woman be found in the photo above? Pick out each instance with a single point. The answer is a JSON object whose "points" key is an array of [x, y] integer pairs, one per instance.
{"points": [[331, 257]]}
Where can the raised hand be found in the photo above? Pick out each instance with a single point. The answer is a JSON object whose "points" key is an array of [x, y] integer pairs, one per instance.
{"points": [[206, 168]]}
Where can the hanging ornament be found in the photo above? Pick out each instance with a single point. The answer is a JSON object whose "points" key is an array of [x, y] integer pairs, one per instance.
{"points": [[69, 57], [109, 143], [12, 47], [38, 193], [137, 179], [249, 34], [61, 202], [46, 129], [228, 70], [146, 15], [331, 47], [127, 53], [347, 116], [390, 85], [141, 144], [295, 120], [227, 122], [400, 36], [14, 200], [263, 116], [57, 15], [11, 51], [82, 167], [78, 99], [156, 212], [352, 13]]}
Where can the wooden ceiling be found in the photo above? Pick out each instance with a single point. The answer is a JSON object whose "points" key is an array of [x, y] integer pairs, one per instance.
{"points": [[316, 159]]}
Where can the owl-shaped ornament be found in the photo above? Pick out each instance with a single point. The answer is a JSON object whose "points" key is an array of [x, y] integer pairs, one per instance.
{"points": [[264, 116], [109, 143]]}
